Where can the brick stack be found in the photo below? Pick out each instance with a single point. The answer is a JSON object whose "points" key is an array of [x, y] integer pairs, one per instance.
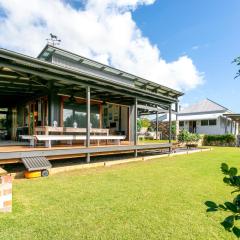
{"points": [[6, 193]]}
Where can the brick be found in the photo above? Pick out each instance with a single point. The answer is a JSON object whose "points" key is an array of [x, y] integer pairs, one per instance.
{"points": [[7, 203], [7, 191], [6, 209], [7, 179]]}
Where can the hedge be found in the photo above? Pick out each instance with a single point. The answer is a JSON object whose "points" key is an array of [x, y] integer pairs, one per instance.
{"points": [[219, 140]]}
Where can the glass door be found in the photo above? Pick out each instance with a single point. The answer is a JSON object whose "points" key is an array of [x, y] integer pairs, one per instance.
{"points": [[4, 124]]}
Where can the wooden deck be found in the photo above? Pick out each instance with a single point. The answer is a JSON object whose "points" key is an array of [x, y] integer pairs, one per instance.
{"points": [[13, 154]]}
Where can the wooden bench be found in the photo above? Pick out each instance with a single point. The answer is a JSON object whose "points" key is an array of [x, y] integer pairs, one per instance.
{"points": [[45, 130], [70, 138]]}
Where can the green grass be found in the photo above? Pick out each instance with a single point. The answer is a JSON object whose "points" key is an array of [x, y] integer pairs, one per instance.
{"points": [[157, 199]]}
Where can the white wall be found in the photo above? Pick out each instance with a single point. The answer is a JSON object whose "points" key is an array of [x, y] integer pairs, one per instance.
{"points": [[215, 129], [219, 128]]}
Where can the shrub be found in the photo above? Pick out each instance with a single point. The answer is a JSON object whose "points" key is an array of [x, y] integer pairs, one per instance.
{"points": [[143, 122], [219, 140], [186, 137], [233, 208], [139, 125]]}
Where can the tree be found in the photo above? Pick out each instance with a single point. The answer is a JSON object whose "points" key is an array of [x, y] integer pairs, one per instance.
{"points": [[143, 123], [237, 61], [173, 129], [233, 180]]}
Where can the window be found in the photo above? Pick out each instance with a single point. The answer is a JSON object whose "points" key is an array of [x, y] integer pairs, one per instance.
{"points": [[76, 112], [181, 124], [212, 122], [3, 121], [204, 122]]}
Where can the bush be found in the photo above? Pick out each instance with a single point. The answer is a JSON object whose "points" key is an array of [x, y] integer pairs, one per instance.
{"points": [[187, 137], [219, 140], [230, 223], [143, 123], [139, 125]]}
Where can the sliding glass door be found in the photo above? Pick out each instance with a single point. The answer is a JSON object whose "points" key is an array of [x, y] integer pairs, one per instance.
{"points": [[74, 114]]}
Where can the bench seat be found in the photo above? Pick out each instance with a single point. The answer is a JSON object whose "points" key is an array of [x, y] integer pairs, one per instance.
{"points": [[49, 138]]}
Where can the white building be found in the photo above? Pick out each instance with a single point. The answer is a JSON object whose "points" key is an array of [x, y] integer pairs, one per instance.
{"points": [[206, 117]]}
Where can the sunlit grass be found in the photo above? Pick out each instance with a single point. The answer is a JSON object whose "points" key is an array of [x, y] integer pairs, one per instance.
{"points": [[157, 199]]}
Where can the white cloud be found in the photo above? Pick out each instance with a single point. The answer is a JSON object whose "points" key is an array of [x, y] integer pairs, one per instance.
{"points": [[196, 47], [103, 30]]}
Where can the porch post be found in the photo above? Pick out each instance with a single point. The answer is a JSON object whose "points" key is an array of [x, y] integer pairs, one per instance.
{"points": [[156, 125], [135, 126], [88, 115], [226, 122], [177, 122], [54, 109], [170, 124]]}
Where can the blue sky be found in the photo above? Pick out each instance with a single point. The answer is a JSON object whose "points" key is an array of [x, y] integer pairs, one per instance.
{"points": [[208, 32], [171, 42]]}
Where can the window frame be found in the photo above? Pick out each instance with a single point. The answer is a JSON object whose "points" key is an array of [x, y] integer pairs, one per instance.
{"points": [[206, 121], [181, 123], [215, 122]]}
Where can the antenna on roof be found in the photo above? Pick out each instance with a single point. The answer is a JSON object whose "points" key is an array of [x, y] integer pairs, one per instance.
{"points": [[54, 41]]}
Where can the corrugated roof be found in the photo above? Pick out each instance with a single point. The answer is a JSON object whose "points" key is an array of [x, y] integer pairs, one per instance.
{"points": [[205, 105], [70, 76], [140, 83], [199, 117], [192, 117]]}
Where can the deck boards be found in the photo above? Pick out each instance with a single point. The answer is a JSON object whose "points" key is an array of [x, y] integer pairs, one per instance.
{"points": [[28, 148], [13, 154]]}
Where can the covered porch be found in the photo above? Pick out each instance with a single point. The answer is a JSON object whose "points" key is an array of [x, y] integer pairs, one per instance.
{"points": [[67, 112]]}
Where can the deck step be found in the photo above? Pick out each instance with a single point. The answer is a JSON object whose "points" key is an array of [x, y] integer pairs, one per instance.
{"points": [[36, 163]]}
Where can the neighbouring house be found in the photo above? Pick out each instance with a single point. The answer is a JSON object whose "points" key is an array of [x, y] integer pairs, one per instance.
{"points": [[206, 117], [70, 106]]}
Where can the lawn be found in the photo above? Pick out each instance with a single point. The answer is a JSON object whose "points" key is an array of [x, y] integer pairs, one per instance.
{"points": [[157, 199]]}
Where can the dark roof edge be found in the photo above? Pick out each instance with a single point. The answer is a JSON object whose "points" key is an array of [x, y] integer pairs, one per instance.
{"points": [[218, 104], [43, 50]]}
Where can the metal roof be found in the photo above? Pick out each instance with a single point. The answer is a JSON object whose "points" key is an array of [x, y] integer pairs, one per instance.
{"points": [[198, 117], [234, 116], [203, 106], [192, 117], [17, 69], [139, 82]]}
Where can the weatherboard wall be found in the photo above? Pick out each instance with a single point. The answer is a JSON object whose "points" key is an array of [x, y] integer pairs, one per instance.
{"points": [[223, 126]]}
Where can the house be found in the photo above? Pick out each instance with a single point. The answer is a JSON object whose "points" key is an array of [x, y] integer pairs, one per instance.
{"points": [[74, 106], [206, 117]]}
